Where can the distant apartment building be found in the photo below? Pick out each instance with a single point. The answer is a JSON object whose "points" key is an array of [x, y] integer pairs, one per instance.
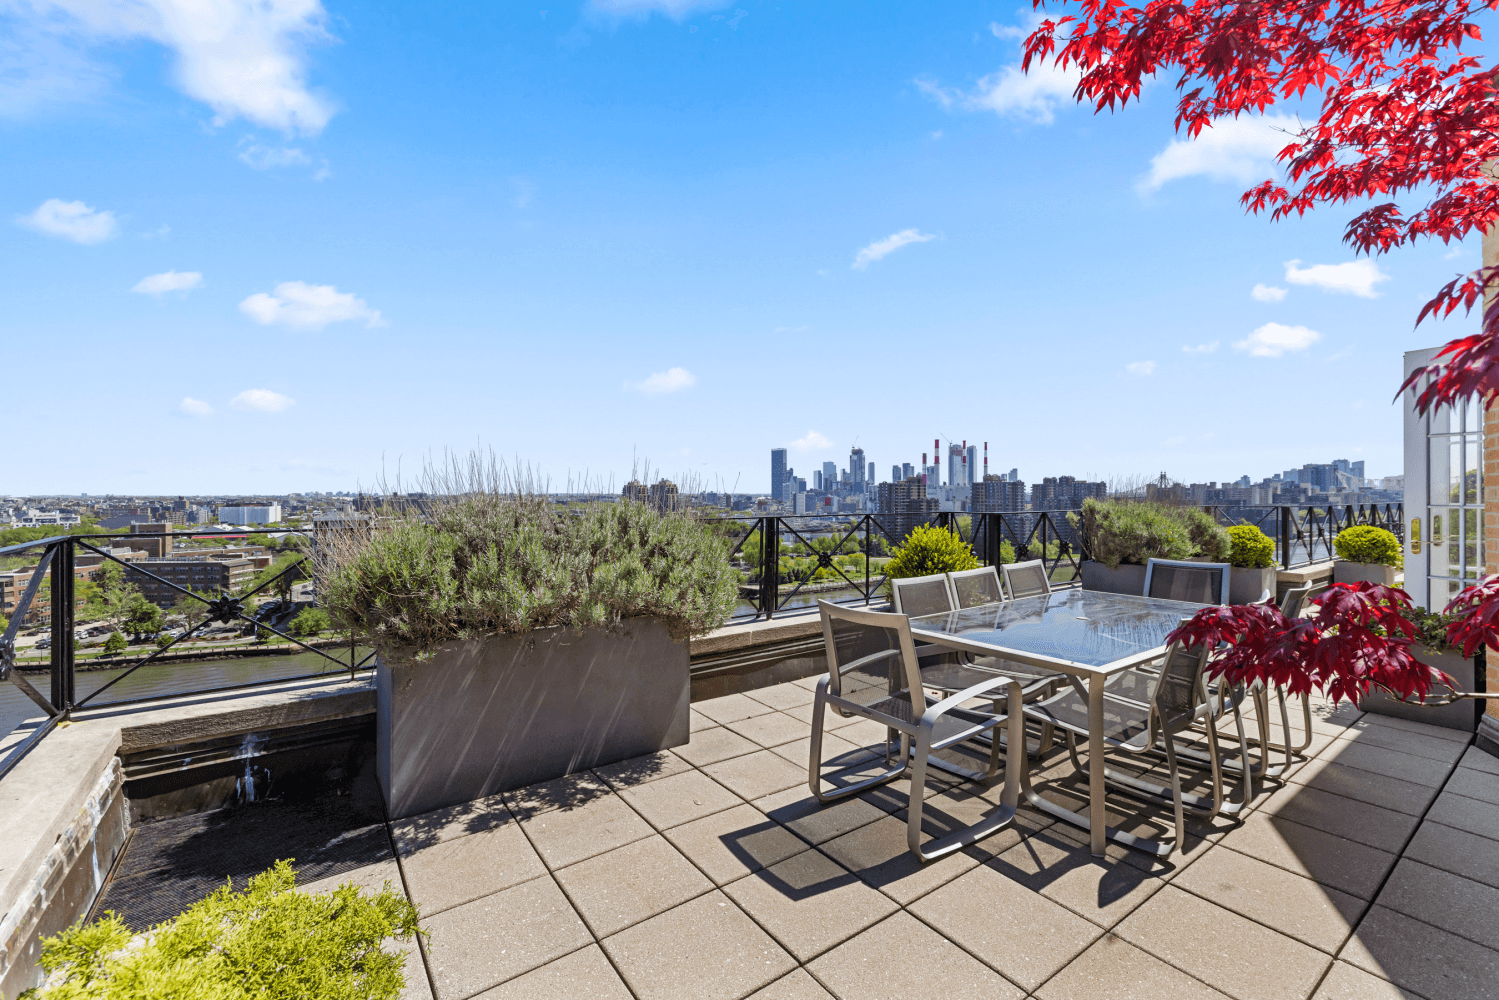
{"points": [[997, 495], [635, 491], [31, 518], [664, 497], [203, 575], [13, 587], [250, 515], [906, 505], [1065, 493], [156, 548]]}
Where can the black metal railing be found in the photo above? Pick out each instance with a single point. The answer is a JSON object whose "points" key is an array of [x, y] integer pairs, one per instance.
{"points": [[1304, 534], [57, 563]]}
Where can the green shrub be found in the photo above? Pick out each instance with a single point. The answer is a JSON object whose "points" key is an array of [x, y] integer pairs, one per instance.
{"points": [[1364, 543], [1124, 531], [929, 549], [1209, 538], [1251, 547], [489, 565], [268, 942], [115, 644], [310, 621]]}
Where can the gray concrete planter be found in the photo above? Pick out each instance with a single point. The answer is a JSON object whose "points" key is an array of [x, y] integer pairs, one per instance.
{"points": [[1246, 584], [1352, 572], [488, 715], [1458, 715], [1127, 579]]}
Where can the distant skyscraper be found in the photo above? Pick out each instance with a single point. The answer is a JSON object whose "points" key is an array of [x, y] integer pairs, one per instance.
{"points": [[856, 467], [871, 478], [957, 474], [996, 494], [895, 475], [816, 479], [777, 471], [829, 476], [973, 463], [1014, 475], [907, 470]]}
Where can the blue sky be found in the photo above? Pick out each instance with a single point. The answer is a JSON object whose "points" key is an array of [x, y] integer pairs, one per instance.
{"points": [[284, 245]]}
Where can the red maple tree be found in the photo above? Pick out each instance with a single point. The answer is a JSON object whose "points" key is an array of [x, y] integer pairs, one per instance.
{"points": [[1404, 111]]}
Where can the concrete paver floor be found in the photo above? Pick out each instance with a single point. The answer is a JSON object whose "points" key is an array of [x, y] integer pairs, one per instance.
{"points": [[1370, 871]]}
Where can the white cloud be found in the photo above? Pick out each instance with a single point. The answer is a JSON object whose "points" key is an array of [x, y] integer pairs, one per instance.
{"points": [[194, 407], [71, 220], [881, 248], [308, 307], [675, 9], [243, 58], [169, 281], [261, 157], [1140, 367], [1032, 96], [1007, 30], [1356, 277], [1267, 293], [812, 441], [262, 401], [1200, 348], [1239, 149], [1273, 339], [668, 381]]}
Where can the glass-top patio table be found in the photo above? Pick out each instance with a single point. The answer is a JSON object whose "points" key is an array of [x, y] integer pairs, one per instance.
{"points": [[1082, 633]]}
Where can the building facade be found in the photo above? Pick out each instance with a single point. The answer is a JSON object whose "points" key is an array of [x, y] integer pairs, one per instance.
{"points": [[203, 575], [250, 515]]}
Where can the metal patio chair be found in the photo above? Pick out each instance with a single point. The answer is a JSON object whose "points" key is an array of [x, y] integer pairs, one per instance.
{"points": [[1179, 702], [873, 674], [1291, 605], [1179, 580], [972, 587], [1026, 579]]}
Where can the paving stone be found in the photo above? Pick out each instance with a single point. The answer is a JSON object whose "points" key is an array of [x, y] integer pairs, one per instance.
{"points": [[639, 770], [1481, 818], [1418, 744], [730, 708], [1323, 857], [1348, 818], [873, 966], [782, 696], [837, 754], [1315, 914], [950, 809], [1347, 982], [879, 855], [736, 842], [570, 792], [566, 836], [1462, 906], [1381, 760], [1410, 726], [1101, 891], [1366, 786], [1026, 937], [1114, 969], [1474, 784], [1479, 760], [713, 745], [418, 986], [483, 943], [706, 949], [756, 775], [1456, 851], [679, 799], [831, 720], [584, 973], [865, 733], [814, 822], [697, 721], [369, 879], [796, 985], [1228, 952], [771, 730], [809, 903], [1423, 958], [625, 886], [455, 871], [810, 683], [416, 832]]}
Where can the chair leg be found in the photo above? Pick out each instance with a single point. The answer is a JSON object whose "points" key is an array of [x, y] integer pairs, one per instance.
{"points": [[814, 762], [1176, 794]]}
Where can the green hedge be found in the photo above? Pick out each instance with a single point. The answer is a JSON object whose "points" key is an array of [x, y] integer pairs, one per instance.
{"points": [[1251, 548], [1364, 543], [929, 549], [268, 942]]}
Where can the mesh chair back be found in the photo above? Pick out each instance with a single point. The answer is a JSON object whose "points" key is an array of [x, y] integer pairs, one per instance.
{"points": [[1295, 600], [1026, 579], [871, 656], [1179, 685], [1198, 583], [921, 595], [972, 587]]}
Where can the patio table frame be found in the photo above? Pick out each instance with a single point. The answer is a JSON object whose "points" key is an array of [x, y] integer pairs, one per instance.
{"points": [[1095, 677]]}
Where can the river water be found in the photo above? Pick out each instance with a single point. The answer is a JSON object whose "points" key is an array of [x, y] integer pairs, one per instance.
{"points": [[159, 680]]}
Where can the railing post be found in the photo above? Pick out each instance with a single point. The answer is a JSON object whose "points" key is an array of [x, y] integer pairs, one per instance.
{"points": [[1285, 537], [62, 626], [770, 564]]}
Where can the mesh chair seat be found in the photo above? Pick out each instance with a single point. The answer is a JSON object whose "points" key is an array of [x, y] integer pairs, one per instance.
{"points": [[1026, 579], [1193, 583], [973, 587], [921, 595], [1123, 722]]}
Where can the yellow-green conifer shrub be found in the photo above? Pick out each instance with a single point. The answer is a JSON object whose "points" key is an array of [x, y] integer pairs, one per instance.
{"points": [[268, 942], [929, 549]]}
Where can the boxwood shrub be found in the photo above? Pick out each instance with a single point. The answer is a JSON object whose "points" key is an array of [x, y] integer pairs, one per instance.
{"points": [[1250, 547], [929, 549], [1364, 543]]}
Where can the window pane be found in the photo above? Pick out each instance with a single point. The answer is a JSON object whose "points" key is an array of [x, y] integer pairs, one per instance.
{"points": [[1472, 543], [1470, 470], [1439, 454], [1473, 423], [1444, 421]]}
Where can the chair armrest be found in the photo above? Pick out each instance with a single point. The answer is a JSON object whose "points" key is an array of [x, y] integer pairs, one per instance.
{"points": [[932, 714]]}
